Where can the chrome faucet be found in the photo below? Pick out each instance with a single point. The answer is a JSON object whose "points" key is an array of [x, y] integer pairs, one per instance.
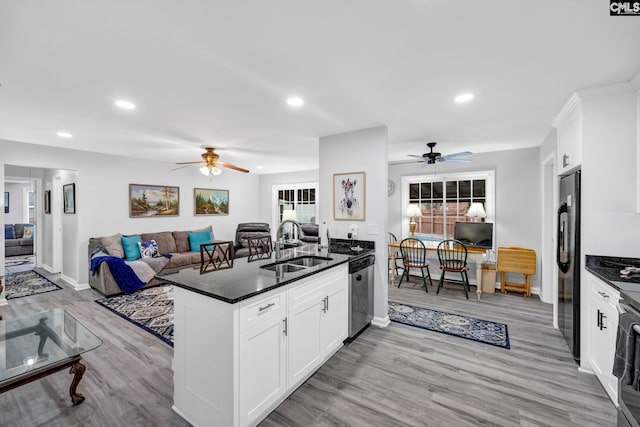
{"points": [[279, 242]]}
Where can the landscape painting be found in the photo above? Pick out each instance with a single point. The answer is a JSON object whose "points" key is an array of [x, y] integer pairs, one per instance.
{"points": [[211, 202], [153, 200]]}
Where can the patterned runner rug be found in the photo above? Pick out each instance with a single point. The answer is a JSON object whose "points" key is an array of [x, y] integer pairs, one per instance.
{"points": [[151, 309], [15, 264], [457, 325], [27, 283]]}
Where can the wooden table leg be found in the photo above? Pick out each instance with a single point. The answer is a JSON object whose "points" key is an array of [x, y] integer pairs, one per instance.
{"points": [[77, 369]]}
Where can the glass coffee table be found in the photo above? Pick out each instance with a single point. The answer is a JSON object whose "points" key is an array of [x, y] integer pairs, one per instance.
{"points": [[39, 344]]}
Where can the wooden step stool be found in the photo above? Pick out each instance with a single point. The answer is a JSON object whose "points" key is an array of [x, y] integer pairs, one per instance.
{"points": [[516, 260]]}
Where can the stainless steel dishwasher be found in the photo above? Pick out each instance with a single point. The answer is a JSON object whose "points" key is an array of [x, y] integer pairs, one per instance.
{"points": [[361, 281]]}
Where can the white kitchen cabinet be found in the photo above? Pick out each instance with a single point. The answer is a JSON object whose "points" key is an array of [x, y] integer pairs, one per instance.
{"points": [[569, 129], [235, 363], [263, 356], [602, 329], [318, 322]]}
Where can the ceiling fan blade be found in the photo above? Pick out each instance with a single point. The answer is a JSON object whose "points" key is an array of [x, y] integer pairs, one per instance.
{"points": [[182, 167], [190, 163], [234, 167], [462, 153], [456, 160], [413, 155]]}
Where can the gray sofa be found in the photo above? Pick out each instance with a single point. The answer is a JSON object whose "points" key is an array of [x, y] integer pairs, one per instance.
{"points": [[174, 243], [19, 245]]}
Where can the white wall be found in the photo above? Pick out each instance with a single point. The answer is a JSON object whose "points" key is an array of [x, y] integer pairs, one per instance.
{"points": [[517, 193], [363, 150], [16, 203], [102, 196]]}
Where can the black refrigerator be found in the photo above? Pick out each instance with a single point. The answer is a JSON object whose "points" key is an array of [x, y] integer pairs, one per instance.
{"points": [[568, 261]]}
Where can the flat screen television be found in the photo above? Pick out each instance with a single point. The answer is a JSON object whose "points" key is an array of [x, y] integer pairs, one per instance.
{"points": [[474, 234]]}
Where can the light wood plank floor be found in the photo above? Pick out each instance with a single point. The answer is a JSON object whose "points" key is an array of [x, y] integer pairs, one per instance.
{"points": [[396, 376]]}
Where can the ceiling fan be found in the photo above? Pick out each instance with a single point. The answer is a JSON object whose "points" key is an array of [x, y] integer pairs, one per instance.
{"points": [[432, 157], [210, 164]]}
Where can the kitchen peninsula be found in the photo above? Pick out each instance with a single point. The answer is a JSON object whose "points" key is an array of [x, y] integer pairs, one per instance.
{"points": [[246, 337]]}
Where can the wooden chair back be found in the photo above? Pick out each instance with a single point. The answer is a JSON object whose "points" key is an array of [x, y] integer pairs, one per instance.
{"points": [[414, 253], [452, 255]]}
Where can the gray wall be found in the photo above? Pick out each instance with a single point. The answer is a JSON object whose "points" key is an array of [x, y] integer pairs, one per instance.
{"points": [[517, 193]]}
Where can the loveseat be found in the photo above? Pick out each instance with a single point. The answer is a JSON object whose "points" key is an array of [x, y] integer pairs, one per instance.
{"points": [[177, 244], [15, 240]]}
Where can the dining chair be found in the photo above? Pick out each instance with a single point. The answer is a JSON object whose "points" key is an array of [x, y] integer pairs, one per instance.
{"points": [[452, 255], [394, 255], [414, 255]]}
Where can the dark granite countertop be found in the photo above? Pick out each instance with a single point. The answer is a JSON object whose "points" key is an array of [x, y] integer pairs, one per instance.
{"points": [[246, 279], [608, 269]]}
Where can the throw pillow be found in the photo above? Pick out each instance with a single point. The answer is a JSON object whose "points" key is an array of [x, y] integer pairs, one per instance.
{"points": [[9, 232], [130, 246], [113, 245], [199, 237], [28, 232], [149, 249]]}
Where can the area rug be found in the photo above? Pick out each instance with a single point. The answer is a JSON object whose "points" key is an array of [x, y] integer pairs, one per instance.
{"points": [[27, 283], [151, 309], [457, 325], [16, 264]]}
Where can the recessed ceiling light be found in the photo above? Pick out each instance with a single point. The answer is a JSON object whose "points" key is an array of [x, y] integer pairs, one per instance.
{"points": [[64, 135], [125, 105], [295, 101], [259, 167], [465, 97]]}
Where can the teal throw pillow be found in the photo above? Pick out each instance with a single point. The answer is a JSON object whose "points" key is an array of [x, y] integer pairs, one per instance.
{"points": [[199, 237], [131, 248]]}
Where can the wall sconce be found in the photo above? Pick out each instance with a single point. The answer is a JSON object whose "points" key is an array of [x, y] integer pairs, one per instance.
{"points": [[476, 210], [412, 212]]}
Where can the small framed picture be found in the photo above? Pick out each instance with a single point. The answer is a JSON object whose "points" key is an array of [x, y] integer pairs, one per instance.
{"points": [[47, 201], [6, 202], [210, 202], [349, 196], [69, 194]]}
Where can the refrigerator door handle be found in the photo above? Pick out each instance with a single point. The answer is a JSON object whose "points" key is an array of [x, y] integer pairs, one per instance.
{"points": [[563, 266]]}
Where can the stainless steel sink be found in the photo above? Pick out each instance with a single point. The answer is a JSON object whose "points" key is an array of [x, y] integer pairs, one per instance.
{"points": [[282, 267], [309, 260]]}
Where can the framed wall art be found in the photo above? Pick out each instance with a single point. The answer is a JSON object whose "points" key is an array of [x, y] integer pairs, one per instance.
{"points": [[153, 200], [349, 196], [210, 202], [47, 201], [69, 195]]}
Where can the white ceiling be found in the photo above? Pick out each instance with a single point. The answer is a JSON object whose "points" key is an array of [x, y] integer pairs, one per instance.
{"points": [[218, 73]]}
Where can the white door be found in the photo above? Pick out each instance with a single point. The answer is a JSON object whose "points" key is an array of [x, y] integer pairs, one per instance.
{"points": [[335, 318], [305, 353], [263, 372]]}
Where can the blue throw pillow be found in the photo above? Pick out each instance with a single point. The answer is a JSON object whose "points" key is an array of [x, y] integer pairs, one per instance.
{"points": [[9, 232], [199, 237], [149, 249], [130, 246]]}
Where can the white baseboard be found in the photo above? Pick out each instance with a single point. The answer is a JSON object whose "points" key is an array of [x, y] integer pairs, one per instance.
{"points": [[47, 267], [74, 284], [381, 322]]}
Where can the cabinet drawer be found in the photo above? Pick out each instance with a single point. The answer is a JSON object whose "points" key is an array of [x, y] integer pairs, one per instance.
{"points": [[603, 292], [262, 309]]}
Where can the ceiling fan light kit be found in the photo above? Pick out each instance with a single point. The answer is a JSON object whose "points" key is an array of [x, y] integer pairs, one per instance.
{"points": [[210, 164]]}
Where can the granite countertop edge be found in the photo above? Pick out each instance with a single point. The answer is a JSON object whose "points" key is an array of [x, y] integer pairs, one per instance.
{"points": [[594, 265], [294, 278]]}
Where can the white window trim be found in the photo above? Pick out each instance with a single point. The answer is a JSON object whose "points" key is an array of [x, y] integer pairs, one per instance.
{"points": [[275, 220], [490, 199]]}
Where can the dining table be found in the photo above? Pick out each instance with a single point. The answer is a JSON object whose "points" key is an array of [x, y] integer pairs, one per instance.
{"points": [[474, 255]]}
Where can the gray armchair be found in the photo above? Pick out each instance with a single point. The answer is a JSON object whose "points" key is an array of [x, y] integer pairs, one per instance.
{"points": [[247, 230]]}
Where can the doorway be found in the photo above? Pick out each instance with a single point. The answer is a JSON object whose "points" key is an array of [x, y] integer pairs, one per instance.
{"points": [[549, 285]]}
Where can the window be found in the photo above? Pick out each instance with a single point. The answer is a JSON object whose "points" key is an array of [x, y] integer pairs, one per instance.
{"points": [[446, 200], [299, 197]]}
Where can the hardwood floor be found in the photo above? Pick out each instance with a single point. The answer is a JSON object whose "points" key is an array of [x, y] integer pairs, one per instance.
{"points": [[396, 376]]}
